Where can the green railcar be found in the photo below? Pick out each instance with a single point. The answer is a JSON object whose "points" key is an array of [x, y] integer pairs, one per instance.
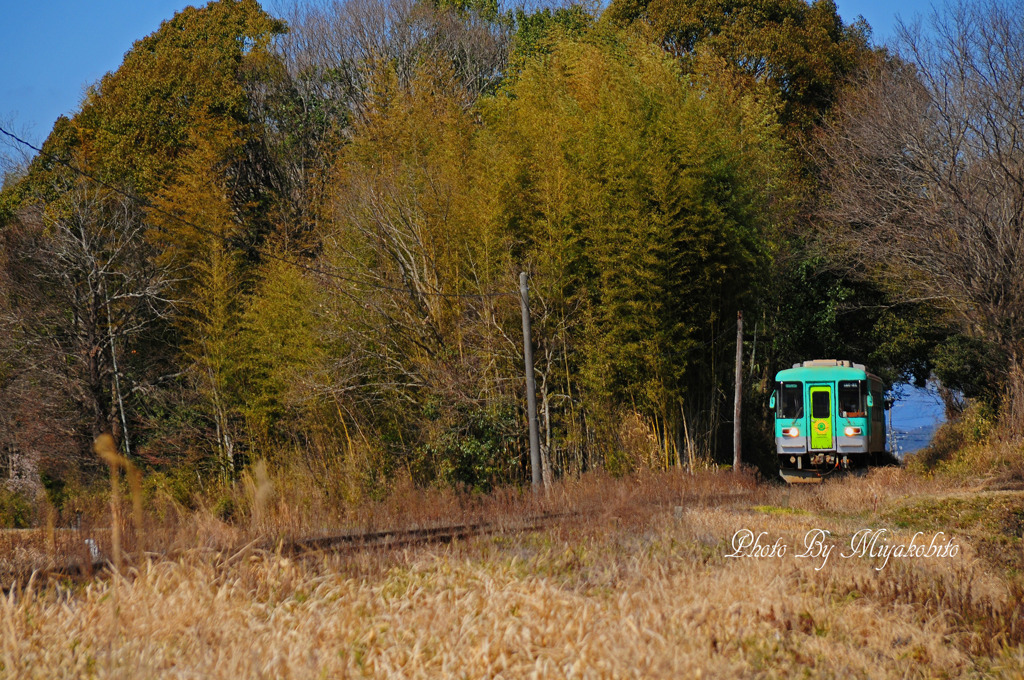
{"points": [[829, 416]]}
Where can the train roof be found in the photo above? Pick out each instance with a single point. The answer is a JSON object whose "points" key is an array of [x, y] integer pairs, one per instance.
{"points": [[825, 369]]}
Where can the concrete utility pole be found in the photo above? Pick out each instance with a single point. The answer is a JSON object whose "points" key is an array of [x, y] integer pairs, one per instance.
{"points": [[737, 458], [531, 384]]}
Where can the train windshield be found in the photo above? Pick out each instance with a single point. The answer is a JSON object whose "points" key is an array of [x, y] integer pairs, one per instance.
{"points": [[820, 403], [791, 400], [851, 398]]}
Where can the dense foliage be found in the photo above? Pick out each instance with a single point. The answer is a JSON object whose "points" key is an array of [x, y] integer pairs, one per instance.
{"points": [[300, 240]]}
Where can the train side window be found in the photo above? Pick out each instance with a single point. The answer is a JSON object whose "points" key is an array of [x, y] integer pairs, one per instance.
{"points": [[877, 412], [790, 402], [851, 399]]}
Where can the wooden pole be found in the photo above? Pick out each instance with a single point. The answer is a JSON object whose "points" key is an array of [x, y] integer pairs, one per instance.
{"points": [[737, 457], [531, 384]]}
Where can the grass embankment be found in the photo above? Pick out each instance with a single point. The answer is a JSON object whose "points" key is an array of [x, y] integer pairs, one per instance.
{"points": [[629, 588]]}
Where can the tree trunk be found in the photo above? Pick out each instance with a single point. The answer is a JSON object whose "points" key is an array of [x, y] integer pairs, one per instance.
{"points": [[545, 450]]}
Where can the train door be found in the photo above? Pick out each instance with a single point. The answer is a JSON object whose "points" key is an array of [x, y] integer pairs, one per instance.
{"points": [[821, 417]]}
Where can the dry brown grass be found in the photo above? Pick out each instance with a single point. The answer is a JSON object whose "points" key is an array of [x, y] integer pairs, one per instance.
{"points": [[976, 448], [636, 585], [270, 508]]}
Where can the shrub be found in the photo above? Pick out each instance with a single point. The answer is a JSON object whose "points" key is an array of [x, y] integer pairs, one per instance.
{"points": [[16, 511]]}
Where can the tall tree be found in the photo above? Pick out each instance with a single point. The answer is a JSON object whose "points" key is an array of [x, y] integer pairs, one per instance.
{"points": [[413, 257], [925, 161], [802, 51], [172, 129], [142, 117]]}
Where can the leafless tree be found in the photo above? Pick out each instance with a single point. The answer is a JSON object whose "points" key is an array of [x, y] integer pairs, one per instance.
{"points": [[79, 287], [409, 303], [926, 167], [335, 46]]}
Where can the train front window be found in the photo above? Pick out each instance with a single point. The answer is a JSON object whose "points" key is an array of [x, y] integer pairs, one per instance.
{"points": [[791, 400], [820, 404], [851, 399]]}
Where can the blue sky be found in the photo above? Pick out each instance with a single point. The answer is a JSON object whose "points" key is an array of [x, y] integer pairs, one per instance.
{"points": [[51, 50]]}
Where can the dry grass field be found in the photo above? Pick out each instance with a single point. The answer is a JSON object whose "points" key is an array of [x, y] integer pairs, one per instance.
{"points": [[638, 583]]}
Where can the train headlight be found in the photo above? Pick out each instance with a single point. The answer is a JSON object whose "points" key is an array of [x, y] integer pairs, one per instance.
{"points": [[791, 432], [852, 431]]}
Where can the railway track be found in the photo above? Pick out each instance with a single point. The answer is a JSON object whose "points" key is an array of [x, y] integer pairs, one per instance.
{"points": [[75, 571], [78, 570], [419, 535]]}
